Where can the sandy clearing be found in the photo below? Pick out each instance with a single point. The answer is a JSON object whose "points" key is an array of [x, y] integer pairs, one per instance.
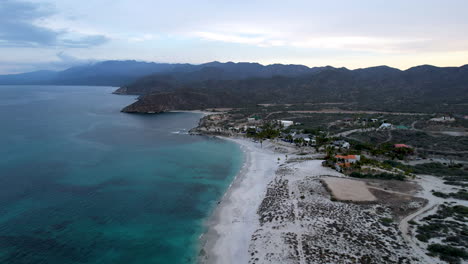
{"points": [[349, 190], [337, 111]]}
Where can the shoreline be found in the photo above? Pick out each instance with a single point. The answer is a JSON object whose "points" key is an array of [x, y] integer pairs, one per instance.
{"points": [[204, 113], [234, 219]]}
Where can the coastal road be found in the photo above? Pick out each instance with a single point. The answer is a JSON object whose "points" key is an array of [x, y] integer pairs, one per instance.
{"points": [[349, 132], [337, 111]]}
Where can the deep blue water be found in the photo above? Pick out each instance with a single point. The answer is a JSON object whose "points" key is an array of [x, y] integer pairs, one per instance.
{"points": [[81, 182]]}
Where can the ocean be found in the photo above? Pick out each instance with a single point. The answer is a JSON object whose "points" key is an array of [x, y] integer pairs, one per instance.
{"points": [[82, 182]]}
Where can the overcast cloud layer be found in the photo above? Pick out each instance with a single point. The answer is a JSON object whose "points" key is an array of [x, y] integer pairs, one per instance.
{"points": [[55, 34]]}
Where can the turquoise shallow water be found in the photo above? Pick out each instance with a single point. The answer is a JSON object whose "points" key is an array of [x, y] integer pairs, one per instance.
{"points": [[81, 182]]}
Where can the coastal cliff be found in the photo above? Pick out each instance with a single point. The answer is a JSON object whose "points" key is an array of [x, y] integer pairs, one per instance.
{"points": [[121, 90], [163, 102]]}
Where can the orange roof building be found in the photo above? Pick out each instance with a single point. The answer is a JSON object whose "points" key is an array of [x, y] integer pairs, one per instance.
{"points": [[349, 158], [401, 146], [344, 165], [346, 157]]}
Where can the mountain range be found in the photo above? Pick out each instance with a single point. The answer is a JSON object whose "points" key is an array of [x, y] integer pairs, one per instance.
{"points": [[182, 76], [419, 89], [120, 73], [164, 86]]}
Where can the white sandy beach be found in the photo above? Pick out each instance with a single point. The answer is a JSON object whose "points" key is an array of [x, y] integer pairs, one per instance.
{"points": [[235, 219]]}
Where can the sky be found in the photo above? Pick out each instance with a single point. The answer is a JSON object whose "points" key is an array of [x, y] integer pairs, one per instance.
{"points": [[57, 34]]}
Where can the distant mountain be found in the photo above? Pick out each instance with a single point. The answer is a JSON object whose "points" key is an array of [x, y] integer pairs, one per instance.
{"points": [[160, 82], [423, 88], [28, 78], [107, 73], [113, 73], [119, 73]]}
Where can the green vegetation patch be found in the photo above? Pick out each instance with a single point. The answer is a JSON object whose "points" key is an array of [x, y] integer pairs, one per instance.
{"points": [[448, 253], [461, 194], [386, 221], [439, 169], [417, 139], [453, 174], [447, 224], [382, 176]]}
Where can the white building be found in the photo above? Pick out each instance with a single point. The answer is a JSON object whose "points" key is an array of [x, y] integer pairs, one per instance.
{"points": [[443, 119], [286, 123], [341, 144], [385, 126]]}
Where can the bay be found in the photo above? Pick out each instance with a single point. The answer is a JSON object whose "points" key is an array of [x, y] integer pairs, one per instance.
{"points": [[81, 182]]}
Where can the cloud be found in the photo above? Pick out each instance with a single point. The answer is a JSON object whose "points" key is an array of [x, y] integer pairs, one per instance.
{"points": [[360, 43], [20, 26], [85, 41], [356, 43], [65, 60], [142, 38], [232, 38]]}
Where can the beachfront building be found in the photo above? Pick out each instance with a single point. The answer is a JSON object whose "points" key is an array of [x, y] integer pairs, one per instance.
{"points": [[285, 123], [348, 158], [313, 142], [250, 128], [253, 120], [304, 139], [345, 161], [341, 162], [341, 144]]}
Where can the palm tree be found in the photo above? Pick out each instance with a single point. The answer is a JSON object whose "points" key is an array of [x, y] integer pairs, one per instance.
{"points": [[330, 150]]}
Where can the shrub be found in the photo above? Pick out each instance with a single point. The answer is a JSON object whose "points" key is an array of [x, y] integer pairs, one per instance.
{"points": [[423, 237], [448, 253], [383, 176], [386, 221], [437, 168], [462, 195], [441, 194]]}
